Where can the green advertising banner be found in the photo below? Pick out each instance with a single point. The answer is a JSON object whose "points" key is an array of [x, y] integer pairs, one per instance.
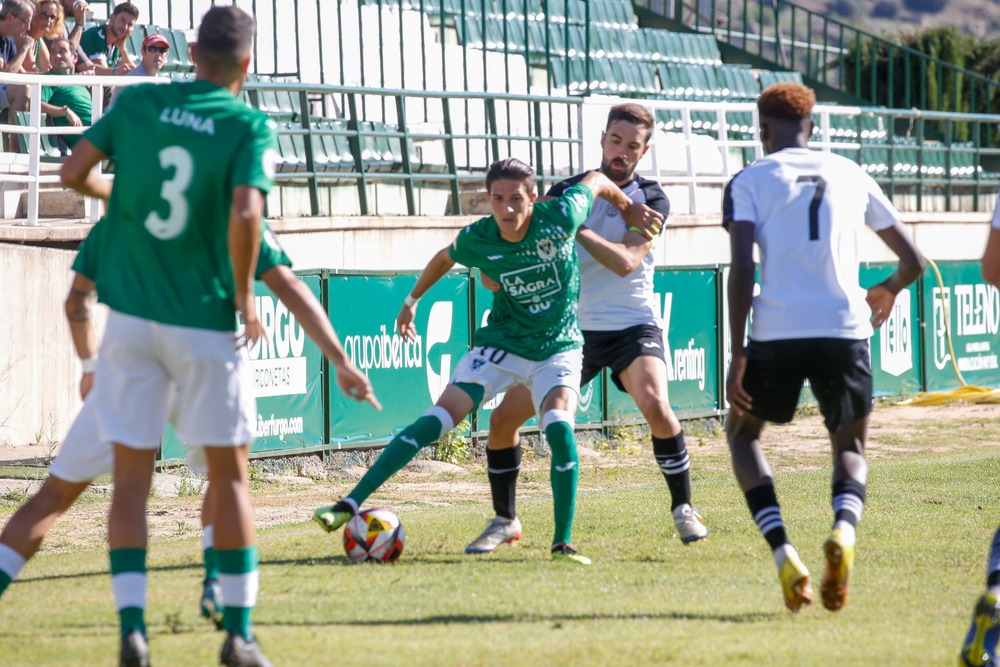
{"points": [[407, 376], [590, 408], [686, 302], [895, 347], [284, 371], [973, 309]]}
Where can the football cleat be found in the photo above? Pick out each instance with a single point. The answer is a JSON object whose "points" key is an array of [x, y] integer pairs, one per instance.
{"points": [[134, 651], [566, 552], [794, 579], [211, 602], [333, 517], [980, 648], [500, 530], [839, 552], [690, 525], [240, 652]]}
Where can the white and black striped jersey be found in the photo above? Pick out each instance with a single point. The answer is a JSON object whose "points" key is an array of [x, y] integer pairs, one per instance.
{"points": [[809, 209], [609, 302]]}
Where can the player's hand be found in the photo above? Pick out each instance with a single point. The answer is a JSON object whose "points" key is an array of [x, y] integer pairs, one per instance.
{"points": [[354, 384], [488, 282], [253, 328], [86, 384], [83, 68], [26, 43], [404, 322], [880, 299], [644, 219], [739, 400]]}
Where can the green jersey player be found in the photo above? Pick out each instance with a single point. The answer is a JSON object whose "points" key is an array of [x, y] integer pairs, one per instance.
{"points": [[532, 335], [193, 165]]}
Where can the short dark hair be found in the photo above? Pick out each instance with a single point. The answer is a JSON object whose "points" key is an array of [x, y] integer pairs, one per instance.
{"points": [[225, 36], [511, 169], [16, 6], [126, 8], [787, 100], [634, 113]]}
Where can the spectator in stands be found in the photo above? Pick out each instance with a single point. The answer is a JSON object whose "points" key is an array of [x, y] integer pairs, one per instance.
{"points": [[71, 104], [44, 25], [78, 9], [154, 56], [15, 18], [105, 44]]}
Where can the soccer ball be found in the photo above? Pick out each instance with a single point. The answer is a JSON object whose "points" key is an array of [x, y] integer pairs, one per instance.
{"points": [[374, 534]]}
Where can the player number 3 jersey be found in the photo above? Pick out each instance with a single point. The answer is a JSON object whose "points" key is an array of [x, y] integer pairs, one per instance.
{"points": [[180, 150], [809, 210], [534, 314]]}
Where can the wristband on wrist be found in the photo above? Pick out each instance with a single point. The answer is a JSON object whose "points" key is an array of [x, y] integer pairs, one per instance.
{"points": [[88, 365], [636, 229], [410, 301]]}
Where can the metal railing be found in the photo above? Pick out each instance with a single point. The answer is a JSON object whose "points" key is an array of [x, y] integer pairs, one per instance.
{"points": [[834, 53], [36, 130], [429, 153]]}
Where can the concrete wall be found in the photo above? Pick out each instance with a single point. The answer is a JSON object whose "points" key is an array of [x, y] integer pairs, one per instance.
{"points": [[39, 371]]}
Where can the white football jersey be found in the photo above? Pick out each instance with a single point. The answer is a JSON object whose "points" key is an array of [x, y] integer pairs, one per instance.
{"points": [[609, 302], [809, 209]]}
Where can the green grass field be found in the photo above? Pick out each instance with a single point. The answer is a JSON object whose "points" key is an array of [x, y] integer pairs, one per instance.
{"points": [[647, 599]]}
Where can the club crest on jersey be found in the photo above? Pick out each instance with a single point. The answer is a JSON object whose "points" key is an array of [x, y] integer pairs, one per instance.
{"points": [[547, 249]]}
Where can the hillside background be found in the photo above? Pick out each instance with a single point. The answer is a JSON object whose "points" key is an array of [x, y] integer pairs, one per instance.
{"points": [[893, 17]]}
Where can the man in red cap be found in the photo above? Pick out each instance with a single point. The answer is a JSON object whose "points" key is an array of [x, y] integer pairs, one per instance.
{"points": [[154, 56]]}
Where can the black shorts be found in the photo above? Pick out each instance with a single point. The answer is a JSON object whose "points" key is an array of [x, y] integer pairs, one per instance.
{"points": [[618, 349], [839, 373]]}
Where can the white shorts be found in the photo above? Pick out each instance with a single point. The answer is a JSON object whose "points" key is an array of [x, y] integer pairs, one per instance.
{"points": [[143, 363], [83, 456], [497, 370]]}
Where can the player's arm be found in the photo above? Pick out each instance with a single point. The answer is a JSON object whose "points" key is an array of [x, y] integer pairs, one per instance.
{"points": [[439, 265], [301, 303], [77, 171], [79, 18], [638, 217], [622, 258], [740, 292], [991, 258], [911, 264], [79, 312], [244, 244]]}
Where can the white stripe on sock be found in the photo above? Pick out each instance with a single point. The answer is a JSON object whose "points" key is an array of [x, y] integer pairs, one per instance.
{"points": [[849, 502], [674, 466], [11, 562], [439, 413], [130, 589], [207, 538], [239, 590]]}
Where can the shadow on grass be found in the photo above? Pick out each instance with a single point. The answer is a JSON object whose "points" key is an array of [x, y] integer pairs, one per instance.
{"points": [[745, 617]]}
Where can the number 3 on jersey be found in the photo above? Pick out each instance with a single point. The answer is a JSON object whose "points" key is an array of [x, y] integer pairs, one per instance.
{"points": [[817, 201], [173, 191]]}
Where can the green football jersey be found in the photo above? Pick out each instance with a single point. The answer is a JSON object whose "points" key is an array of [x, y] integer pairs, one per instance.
{"points": [[76, 98], [86, 262], [94, 42], [534, 315], [180, 149]]}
